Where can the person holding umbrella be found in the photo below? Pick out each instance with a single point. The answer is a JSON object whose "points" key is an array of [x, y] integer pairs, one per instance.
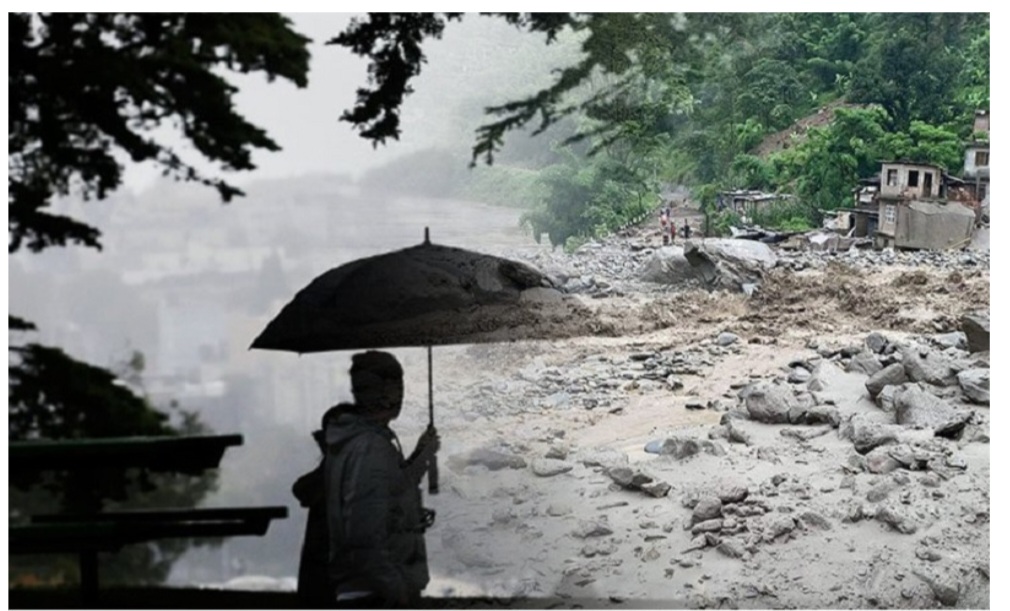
{"points": [[377, 555]]}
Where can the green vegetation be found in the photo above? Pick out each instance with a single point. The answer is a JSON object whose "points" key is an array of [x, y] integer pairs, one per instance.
{"points": [[661, 99]]}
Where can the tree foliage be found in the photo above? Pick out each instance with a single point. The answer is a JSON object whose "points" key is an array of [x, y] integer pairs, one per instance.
{"points": [[87, 90], [701, 92]]}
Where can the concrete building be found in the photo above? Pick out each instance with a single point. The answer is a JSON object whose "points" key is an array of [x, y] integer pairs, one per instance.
{"points": [[914, 212], [976, 158]]}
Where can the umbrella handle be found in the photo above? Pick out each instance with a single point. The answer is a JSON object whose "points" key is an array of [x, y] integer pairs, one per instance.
{"points": [[433, 465], [433, 476]]}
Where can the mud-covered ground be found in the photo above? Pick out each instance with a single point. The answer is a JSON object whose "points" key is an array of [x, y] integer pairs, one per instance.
{"points": [[540, 440]]}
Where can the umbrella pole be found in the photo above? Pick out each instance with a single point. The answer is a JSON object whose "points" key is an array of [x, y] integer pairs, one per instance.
{"points": [[433, 467]]}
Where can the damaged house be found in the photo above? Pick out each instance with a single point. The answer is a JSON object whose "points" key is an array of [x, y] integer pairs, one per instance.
{"points": [[914, 211], [910, 205], [918, 205], [976, 160], [746, 202]]}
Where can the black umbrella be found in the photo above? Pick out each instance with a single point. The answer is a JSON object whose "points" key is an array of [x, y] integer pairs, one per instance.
{"points": [[423, 296]]}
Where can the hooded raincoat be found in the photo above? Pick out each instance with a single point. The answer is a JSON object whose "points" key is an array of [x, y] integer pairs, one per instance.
{"points": [[314, 591], [373, 512]]}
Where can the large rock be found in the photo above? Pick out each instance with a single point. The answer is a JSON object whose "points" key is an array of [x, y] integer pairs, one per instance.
{"points": [[879, 460], [864, 362], [896, 518], [667, 265], [549, 467], [678, 447], [892, 375], [632, 479], [708, 508], [916, 407], [975, 384], [728, 263], [933, 369], [825, 375], [976, 329], [822, 414], [867, 434], [954, 339], [885, 399], [769, 403], [876, 342], [726, 338], [494, 460]]}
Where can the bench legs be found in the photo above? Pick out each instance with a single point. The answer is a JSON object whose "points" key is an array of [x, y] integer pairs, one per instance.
{"points": [[89, 578]]}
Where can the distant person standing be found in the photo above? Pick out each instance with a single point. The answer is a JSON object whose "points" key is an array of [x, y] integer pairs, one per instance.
{"points": [[664, 225], [687, 230]]}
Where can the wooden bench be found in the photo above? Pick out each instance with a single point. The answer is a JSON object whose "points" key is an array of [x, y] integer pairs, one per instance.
{"points": [[109, 531], [178, 454], [95, 531]]}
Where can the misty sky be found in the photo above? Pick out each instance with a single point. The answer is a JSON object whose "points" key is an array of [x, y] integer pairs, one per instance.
{"points": [[305, 122]]}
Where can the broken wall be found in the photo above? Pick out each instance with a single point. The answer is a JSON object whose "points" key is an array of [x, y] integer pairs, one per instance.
{"points": [[933, 226]]}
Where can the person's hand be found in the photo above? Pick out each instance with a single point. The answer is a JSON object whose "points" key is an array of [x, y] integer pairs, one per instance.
{"points": [[428, 444]]}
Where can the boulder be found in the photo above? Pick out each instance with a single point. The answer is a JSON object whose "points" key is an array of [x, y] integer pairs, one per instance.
{"points": [[733, 494], [864, 362], [631, 479], [769, 404], [896, 519], [799, 375], [707, 508], [876, 342], [975, 384], [592, 528], [737, 434], [726, 338], [549, 467], [891, 375], [879, 460], [825, 375], [867, 434], [822, 414], [934, 369], [667, 265], [728, 263], [976, 330], [918, 408], [493, 460], [885, 399], [815, 520], [954, 339], [678, 447]]}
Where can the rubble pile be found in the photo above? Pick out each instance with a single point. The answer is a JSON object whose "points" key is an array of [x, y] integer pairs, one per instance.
{"points": [[635, 262], [866, 259], [596, 381], [851, 473]]}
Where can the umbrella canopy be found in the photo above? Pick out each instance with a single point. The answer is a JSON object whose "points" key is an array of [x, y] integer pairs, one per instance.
{"points": [[422, 296]]}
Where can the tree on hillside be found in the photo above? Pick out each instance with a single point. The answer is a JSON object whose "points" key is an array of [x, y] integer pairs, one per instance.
{"points": [[914, 67]]}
